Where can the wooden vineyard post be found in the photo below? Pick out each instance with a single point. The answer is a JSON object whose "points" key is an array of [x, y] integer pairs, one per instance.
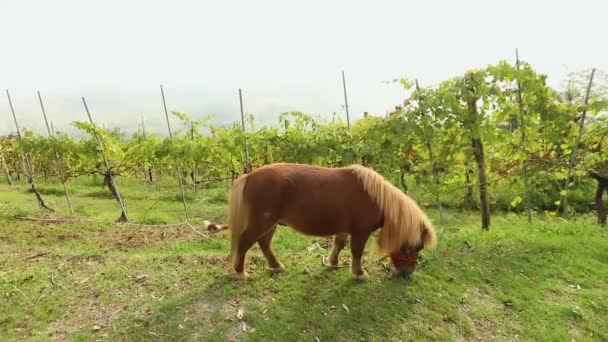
{"points": [[9, 179], [247, 163], [177, 167], [27, 166], [178, 170], [575, 147], [109, 176], [345, 100], [148, 172], [58, 164], [522, 127]]}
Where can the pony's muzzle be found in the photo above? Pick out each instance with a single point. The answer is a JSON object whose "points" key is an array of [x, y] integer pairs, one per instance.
{"points": [[404, 264], [403, 272]]}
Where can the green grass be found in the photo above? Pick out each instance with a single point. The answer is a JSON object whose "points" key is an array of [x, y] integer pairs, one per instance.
{"points": [[105, 281]]}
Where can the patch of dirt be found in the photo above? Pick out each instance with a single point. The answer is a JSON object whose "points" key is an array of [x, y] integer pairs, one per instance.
{"points": [[87, 259], [474, 307], [4, 242], [561, 297], [574, 332], [268, 295], [87, 310], [38, 234], [68, 236], [213, 311], [211, 260], [140, 237]]}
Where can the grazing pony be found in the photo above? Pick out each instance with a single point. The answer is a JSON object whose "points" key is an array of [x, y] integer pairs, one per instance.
{"points": [[321, 201]]}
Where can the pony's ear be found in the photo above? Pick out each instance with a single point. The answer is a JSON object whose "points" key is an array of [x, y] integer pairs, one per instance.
{"points": [[429, 238]]}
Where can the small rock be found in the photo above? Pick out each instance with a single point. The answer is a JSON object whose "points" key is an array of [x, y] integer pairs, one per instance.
{"points": [[141, 278], [314, 247]]}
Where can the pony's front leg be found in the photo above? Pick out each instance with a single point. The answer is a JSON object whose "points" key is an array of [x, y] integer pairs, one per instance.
{"points": [[339, 243], [357, 246]]}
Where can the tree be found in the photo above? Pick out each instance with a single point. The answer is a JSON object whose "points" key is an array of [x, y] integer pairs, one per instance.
{"points": [[473, 88]]}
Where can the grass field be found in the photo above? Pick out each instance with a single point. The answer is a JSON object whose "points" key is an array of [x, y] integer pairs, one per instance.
{"points": [[88, 281]]}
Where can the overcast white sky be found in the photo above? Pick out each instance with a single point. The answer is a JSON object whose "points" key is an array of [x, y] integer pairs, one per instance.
{"points": [[285, 55]]}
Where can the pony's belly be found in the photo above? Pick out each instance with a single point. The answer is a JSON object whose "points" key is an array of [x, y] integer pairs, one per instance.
{"points": [[314, 226]]}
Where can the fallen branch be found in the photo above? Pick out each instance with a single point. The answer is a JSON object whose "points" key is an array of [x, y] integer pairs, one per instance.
{"points": [[211, 227], [36, 255], [196, 231], [60, 220]]}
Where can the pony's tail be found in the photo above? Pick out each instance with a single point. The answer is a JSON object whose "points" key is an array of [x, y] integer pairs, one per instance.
{"points": [[238, 214]]}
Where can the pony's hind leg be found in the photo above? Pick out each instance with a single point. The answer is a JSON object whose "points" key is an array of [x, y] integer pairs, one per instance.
{"points": [[250, 236], [259, 228], [339, 243], [246, 240], [357, 246], [274, 265]]}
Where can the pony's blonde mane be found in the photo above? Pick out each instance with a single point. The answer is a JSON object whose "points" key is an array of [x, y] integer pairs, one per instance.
{"points": [[404, 221]]}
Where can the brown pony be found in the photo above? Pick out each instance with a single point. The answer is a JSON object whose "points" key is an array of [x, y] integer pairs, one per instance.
{"points": [[320, 201]]}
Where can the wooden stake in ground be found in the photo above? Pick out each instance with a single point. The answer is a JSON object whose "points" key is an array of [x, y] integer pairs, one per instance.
{"points": [[58, 164], [109, 175], [7, 172], [149, 171], [193, 174], [522, 127], [345, 100], [177, 167], [247, 163], [27, 166], [179, 171], [575, 147]]}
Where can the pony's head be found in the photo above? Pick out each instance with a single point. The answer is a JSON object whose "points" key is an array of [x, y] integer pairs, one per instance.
{"points": [[406, 228], [405, 259]]}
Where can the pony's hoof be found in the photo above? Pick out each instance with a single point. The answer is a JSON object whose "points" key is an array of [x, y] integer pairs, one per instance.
{"points": [[243, 276], [327, 263], [363, 276], [279, 269], [333, 266]]}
